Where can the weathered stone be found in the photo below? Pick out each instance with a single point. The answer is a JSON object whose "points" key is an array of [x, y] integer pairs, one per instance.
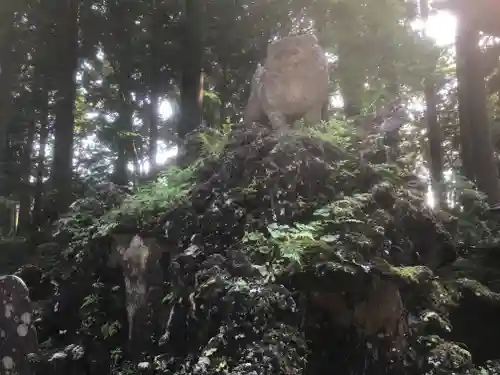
{"points": [[291, 84], [138, 258], [17, 334]]}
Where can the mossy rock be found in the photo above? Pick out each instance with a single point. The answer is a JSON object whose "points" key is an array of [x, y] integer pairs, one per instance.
{"points": [[474, 319]]}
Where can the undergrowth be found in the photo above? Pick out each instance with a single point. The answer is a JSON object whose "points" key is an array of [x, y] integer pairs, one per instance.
{"points": [[305, 202], [214, 140], [153, 199]]}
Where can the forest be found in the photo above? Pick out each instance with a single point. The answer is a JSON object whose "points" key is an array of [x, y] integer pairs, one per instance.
{"points": [[162, 213]]}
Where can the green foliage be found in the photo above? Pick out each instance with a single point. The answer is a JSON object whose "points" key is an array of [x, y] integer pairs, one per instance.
{"points": [[95, 217], [337, 234], [110, 329], [152, 199], [214, 140], [468, 218], [91, 313], [337, 133]]}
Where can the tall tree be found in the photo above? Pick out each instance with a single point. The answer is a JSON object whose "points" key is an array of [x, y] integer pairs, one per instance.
{"points": [[473, 102], [25, 191], [433, 126], [192, 55], [66, 30], [43, 119], [464, 40], [12, 57]]}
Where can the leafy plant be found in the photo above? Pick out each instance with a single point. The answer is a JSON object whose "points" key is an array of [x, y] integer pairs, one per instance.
{"points": [[154, 198], [214, 140], [110, 328]]}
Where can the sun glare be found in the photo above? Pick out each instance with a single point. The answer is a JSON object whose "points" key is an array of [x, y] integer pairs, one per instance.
{"points": [[165, 109], [442, 28]]}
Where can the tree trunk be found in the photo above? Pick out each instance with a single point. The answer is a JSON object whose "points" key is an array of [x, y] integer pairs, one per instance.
{"points": [[463, 41], [435, 138], [190, 106], [67, 50], [433, 127], [152, 120], [9, 70], [6, 104], [223, 93], [25, 197], [120, 175], [38, 217], [351, 82], [124, 141], [475, 96]]}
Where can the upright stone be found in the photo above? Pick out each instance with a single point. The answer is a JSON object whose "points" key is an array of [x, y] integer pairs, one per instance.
{"points": [[18, 336]]}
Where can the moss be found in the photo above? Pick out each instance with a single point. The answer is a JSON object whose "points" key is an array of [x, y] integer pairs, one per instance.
{"points": [[414, 274], [478, 289]]}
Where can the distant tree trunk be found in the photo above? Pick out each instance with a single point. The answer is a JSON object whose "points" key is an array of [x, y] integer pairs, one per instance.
{"points": [[191, 106], [120, 175], [134, 154], [223, 93], [123, 125], [121, 19], [433, 127], [154, 78], [8, 76], [152, 120], [325, 111], [435, 139], [464, 39], [38, 217], [25, 192], [473, 99], [67, 52], [124, 139], [351, 75], [43, 61]]}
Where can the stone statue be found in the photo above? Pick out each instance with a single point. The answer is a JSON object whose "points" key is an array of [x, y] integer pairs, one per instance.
{"points": [[291, 84]]}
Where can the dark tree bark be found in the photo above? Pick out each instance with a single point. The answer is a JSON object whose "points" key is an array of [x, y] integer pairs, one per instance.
{"points": [[464, 39], [325, 111], [223, 93], [25, 196], [6, 105], [121, 46], [473, 97], [38, 217], [126, 150], [191, 105], [9, 66], [351, 81], [44, 59], [435, 141], [67, 51], [433, 127], [124, 125], [152, 120]]}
